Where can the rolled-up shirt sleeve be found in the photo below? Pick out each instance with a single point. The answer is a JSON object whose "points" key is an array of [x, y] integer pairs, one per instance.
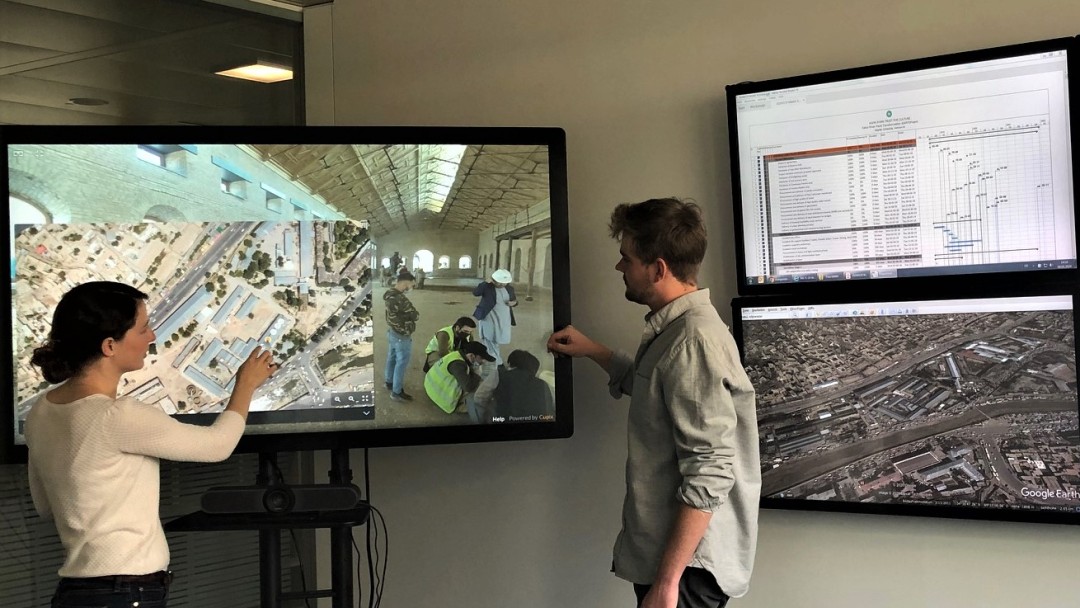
{"points": [[698, 397], [620, 374], [138, 428]]}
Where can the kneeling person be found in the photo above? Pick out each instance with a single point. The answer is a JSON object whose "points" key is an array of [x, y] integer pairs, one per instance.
{"points": [[515, 394], [454, 376], [447, 339]]}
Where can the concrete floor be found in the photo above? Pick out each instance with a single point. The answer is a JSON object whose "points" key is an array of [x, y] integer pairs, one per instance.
{"points": [[440, 303]]}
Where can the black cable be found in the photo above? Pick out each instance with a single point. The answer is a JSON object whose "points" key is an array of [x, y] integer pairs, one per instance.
{"points": [[360, 591], [371, 564], [376, 576], [280, 475], [292, 533], [376, 584], [300, 562], [386, 554]]}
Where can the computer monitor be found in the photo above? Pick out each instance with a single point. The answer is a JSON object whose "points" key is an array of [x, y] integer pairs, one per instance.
{"points": [[959, 407], [289, 239], [918, 170]]}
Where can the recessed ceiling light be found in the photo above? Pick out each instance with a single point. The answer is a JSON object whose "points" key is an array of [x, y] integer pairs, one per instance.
{"points": [[260, 71], [87, 101]]}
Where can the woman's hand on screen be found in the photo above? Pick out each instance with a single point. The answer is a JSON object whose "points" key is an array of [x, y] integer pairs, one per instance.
{"points": [[258, 367]]}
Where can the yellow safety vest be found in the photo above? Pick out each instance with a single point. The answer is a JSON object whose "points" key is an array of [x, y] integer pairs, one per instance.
{"points": [[441, 386], [433, 343]]}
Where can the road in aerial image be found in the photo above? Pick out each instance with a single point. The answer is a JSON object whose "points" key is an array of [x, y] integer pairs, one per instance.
{"points": [[949, 403], [217, 291]]}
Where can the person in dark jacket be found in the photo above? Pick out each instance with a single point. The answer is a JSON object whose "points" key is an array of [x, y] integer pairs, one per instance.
{"points": [[514, 394], [494, 313], [401, 317]]}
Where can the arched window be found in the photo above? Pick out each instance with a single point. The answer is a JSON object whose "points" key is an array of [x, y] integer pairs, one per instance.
{"points": [[444, 262], [423, 259], [23, 212], [385, 263], [464, 262]]}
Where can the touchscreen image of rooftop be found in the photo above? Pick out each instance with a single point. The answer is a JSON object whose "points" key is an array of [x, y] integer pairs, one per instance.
{"points": [[954, 403], [950, 170]]}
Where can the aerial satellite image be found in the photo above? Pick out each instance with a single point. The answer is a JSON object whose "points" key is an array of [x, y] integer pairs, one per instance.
{"points": [[217, 290], [963, 409]]}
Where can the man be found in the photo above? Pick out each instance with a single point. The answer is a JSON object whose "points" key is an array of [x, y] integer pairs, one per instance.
{"points": [[514, 394], [455, 376], [495, 311], [449, 338], [693, 479], [401, 317]]}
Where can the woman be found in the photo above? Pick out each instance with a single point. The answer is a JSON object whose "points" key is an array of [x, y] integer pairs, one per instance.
{"points": [[93, 463], [493, 312]]}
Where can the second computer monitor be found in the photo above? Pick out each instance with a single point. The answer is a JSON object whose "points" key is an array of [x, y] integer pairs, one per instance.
{"points": [[949, 165], [963, 407]]}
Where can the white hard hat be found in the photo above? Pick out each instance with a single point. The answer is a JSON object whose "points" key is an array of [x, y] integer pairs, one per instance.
{"points": [[502, 275]]}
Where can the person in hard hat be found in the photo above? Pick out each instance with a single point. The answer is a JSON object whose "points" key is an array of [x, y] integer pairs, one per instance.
{"points": [[494, 313]]}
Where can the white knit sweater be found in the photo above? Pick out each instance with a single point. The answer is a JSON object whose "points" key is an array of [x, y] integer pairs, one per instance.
{"points": [[93, 468]]}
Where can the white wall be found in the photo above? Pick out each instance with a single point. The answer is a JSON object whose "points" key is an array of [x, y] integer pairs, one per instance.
{"points": [[639, 88]]}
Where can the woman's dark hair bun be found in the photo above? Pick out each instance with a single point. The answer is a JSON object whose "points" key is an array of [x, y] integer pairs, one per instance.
{"points": [[53, 365], [85, 316]]}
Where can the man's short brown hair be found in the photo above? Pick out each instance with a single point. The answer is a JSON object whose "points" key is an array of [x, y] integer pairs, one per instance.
{"points": [[667, 228]]}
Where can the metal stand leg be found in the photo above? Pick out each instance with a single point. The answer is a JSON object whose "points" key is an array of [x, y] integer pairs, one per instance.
{"points": [[270, 568], [341, 537], [341, 563]]}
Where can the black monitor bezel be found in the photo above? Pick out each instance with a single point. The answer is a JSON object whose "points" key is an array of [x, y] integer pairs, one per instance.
{"points": [[955, 292], [552, 137], [978, 280]]}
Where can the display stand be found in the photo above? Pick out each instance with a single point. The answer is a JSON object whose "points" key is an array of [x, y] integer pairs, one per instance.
{"points": [[270, 525]]}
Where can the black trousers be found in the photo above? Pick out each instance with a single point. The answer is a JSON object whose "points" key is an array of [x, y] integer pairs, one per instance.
{"points": [[697, 589], [148, 591]]}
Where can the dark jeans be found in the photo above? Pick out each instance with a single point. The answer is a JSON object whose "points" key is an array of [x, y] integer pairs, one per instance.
{"points": [[105, 592], [398, 353], [697, 589]]}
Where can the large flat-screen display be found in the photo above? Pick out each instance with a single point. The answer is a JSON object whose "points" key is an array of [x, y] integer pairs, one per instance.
{"points": [[289, 239], [960, 164], [960, 407]]}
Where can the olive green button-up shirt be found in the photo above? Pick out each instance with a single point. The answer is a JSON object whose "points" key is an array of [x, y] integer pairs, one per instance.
{"points": [[692, 438]]}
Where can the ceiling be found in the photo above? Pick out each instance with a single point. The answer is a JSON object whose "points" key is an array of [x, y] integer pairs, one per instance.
{"points": [[149, 61], [153, 62], [420, 187]]}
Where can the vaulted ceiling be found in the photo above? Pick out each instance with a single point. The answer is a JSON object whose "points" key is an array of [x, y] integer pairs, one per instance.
{"points": [[141, 62], [153, 62], [419, 187]]}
